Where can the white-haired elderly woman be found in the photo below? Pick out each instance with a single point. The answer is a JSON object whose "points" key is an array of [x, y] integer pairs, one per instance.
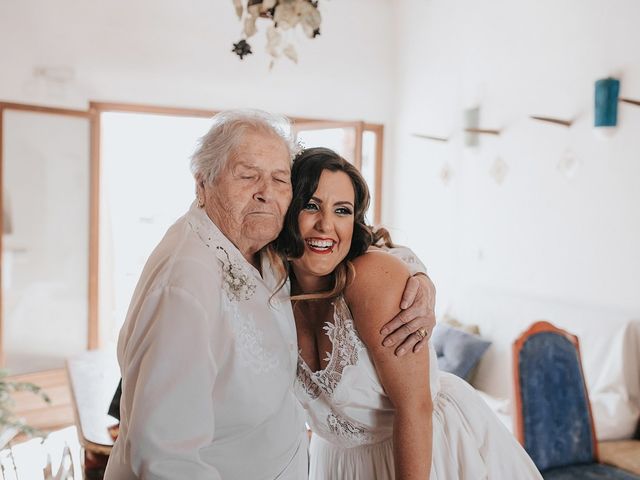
{"points": [[208, 350]]}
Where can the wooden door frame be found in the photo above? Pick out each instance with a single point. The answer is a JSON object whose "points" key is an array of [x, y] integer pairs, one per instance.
{"points": [[378, 129]]}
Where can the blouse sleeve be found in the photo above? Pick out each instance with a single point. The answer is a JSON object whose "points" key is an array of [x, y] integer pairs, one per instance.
{"points": [[409, 258], [168, 376]]}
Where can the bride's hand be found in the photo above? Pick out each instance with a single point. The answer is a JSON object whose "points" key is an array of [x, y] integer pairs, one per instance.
{"points": [[410, 329]]}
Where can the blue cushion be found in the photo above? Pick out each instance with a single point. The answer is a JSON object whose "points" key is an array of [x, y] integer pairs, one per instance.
{"points": [[458, 352], [555, 409], [593, 471]]}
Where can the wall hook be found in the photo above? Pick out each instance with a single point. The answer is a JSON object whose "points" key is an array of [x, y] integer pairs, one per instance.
{"points": [[557, 121]]}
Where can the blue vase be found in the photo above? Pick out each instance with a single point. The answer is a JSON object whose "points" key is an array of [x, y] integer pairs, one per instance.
{"points": [[606, 102]]}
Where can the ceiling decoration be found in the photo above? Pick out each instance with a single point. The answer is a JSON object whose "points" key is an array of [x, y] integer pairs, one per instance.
{"points": [[284, 19]]}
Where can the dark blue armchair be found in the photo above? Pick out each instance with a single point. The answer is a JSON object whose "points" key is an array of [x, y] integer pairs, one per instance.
{"points": [[553, 419]]}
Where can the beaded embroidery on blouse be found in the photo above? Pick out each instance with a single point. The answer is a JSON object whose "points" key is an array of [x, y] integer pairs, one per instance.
{"points": [[236, 282]]}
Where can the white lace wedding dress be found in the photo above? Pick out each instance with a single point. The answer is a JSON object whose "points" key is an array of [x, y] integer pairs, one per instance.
{"points": [[352, 420]]}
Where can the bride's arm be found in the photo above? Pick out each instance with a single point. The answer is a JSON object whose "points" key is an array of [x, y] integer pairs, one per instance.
{"points": [[373, 298]]}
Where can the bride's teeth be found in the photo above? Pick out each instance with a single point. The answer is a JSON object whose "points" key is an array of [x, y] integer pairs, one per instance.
{"points": [[321, 244]]}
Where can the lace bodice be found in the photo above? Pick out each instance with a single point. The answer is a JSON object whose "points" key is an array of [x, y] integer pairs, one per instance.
{"points": [[318, 390], [345, 401], [346, 348], [347, 408]]}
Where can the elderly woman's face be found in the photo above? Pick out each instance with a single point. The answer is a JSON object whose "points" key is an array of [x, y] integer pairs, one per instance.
{"points": [[250, 196]]}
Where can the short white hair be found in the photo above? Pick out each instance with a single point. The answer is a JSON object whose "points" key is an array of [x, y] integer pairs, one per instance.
{"points": [[227, 131]]}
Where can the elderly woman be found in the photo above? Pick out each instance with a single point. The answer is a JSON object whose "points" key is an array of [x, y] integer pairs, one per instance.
{"points": [[208, 351]]}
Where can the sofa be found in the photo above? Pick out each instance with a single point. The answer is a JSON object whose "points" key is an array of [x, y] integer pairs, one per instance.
{"points": [[609, 343]]}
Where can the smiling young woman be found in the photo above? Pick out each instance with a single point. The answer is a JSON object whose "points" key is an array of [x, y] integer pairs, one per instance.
{"points": [[373, 414]]}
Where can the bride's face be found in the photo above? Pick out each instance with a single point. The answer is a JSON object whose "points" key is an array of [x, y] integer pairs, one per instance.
{"points": [[326, 226]]}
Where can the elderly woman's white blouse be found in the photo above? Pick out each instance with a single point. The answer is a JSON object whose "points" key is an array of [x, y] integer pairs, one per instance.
{"points": [[208, 360]]}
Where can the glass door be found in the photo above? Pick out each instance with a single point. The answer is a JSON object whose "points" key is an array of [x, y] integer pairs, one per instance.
{"points": [[145, 186], [45, 244]]}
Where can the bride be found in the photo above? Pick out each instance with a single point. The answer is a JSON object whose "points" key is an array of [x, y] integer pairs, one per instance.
{"points": [[373, 415]]}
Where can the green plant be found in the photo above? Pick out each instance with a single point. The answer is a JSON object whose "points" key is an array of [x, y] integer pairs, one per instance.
{"points": [[8, 419]]}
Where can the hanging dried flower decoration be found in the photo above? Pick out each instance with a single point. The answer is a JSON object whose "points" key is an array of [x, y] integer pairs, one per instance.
{"points": [[285, 16]]}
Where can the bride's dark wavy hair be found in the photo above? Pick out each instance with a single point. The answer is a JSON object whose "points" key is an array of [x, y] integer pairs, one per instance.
{"points": [[308, 165]]}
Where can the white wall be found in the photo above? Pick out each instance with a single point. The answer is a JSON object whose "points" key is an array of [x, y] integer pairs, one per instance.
{"points": [[178, 53], [539, 234]]}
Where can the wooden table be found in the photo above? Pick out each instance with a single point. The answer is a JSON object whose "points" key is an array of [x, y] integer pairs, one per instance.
{"points": [[93, 378]]}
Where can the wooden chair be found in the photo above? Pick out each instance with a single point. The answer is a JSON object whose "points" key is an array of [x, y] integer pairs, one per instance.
{"points": [[553, 419]]}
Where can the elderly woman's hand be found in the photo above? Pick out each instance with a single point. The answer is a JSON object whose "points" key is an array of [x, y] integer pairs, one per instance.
{"points": [[410, 329]]}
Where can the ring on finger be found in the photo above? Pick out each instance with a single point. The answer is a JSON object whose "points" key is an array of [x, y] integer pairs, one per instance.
{"points": [[422, 333]]}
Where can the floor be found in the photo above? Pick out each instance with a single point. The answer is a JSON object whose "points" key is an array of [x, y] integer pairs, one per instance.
{"points": [[624, 454]]}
